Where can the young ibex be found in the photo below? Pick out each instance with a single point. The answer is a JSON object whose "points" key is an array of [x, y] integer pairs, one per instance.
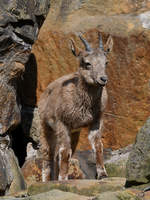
{"points": [[73, 101]]}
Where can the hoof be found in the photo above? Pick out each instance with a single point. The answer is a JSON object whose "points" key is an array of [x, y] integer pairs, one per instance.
{"points": [[102, 175]]}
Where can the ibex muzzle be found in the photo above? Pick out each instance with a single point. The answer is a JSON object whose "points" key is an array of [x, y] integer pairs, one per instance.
{"points": [[103, 79]]}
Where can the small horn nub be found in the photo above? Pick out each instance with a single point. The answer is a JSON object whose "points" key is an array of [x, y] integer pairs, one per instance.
{"points": [[100, 42], [86, 44]]}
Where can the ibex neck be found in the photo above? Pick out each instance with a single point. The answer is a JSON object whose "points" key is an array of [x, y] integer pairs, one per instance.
{"points": [[84, 89]]}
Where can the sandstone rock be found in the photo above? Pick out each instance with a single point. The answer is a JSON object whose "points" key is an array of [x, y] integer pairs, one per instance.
{"points": [[20, 22], [11, 179], [44, 191], [52, 195], [123, 195], [9, 110], [6, 176], [57, 195], [18, 183], [82, 187], [116, 163], [32, 170], [19, 27], [138, 168]]}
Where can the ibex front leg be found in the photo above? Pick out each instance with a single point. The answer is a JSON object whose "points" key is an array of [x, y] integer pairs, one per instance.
{"points": [[97, 146], [64, 150]]}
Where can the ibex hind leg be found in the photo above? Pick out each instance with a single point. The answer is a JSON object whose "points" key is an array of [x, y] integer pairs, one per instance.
{"points": [[45, 152], [50, 168], [54, 157]]}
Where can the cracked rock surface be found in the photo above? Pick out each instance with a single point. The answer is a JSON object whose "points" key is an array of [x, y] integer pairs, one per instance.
{"points": [[20, 21]]}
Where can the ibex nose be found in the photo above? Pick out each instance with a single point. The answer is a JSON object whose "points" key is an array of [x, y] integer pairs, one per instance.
{"points": [[104, 79]]}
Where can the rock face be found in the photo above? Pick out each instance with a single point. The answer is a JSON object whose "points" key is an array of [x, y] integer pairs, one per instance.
{"points": [[11, 179], [82, 187], [109, 188], [128, 68], [57, 195], [138, 168], [18, 183], [32, 170], [117, 196], [20, 22], [6, 175], [19, 26], [116, 163]]}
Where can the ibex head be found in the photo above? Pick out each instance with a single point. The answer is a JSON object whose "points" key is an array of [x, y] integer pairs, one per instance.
{"points": [[93, 62]]}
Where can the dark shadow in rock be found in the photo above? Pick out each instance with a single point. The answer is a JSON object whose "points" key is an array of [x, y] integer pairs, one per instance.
{"points": [[74, 140], [132, 183], [19, 142], [87, 163], [28, 84], [27, 97]]}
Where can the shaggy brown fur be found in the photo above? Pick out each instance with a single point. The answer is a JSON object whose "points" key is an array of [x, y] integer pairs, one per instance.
{"points": [[70, 102]]}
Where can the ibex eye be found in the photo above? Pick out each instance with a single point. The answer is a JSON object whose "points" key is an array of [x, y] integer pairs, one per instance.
{"points": [[87, 65], [106, 63]]}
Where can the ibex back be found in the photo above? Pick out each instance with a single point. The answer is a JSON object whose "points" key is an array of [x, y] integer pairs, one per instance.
{"points": [[70, 102]]}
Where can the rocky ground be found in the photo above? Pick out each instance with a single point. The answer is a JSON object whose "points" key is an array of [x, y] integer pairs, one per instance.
{"points": [[82, 172], [105, 189]]}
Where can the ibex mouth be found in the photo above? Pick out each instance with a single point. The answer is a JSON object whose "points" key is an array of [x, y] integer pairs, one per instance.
{"points": [[102, 84], [103, 80]]}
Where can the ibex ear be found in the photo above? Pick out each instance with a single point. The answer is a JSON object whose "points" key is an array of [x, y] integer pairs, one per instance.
{"points": [[109, 44], [75, 50]]}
